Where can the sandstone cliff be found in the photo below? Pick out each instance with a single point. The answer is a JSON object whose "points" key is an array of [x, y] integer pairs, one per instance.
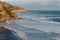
{"points": [[8, 12]]}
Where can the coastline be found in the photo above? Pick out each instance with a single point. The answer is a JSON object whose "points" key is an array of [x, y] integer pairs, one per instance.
{"points": [[8, 11]]}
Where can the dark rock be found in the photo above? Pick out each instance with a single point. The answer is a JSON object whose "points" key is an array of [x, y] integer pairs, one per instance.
{"points": [[6, 34]]}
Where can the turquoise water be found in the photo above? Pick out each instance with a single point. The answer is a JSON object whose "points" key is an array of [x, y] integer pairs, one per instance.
{"points": [[37, 25]]}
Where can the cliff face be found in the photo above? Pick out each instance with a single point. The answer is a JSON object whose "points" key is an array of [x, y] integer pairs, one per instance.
{"points": [[8, 12]]}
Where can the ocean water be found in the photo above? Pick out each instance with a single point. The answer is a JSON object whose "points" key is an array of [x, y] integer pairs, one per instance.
{"points": [[36, 25]]}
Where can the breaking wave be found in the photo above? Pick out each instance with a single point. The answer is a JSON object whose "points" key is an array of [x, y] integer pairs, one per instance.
{"points": [[35, 26], [49, 19]]}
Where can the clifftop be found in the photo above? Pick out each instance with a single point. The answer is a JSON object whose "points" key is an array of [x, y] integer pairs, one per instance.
{"points": [[8, 12]]}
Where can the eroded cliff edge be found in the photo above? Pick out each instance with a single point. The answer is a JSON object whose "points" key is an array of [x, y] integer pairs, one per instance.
{"points": [[8, 12]]}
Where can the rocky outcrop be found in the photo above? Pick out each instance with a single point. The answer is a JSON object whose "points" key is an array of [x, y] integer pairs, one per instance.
{"points": [[6, 34], [8, 12]]}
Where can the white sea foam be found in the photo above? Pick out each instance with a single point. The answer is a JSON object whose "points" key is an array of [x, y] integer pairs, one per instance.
{"points": [[52, 22], [42, 19]]}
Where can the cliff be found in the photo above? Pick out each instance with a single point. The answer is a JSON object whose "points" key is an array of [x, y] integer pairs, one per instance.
{"points": [[8, 12]]}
